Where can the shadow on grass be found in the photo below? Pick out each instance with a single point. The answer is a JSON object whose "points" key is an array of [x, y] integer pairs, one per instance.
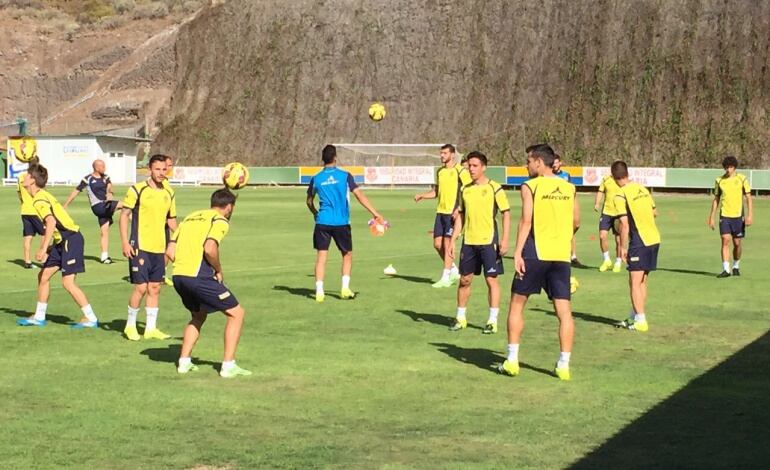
{"points": [[303, 292], [688, 271], [583, 316], [717, 420], [60, 319], [435, 318], [17, 262], [170, 354], [417, 279], [482, 358]]}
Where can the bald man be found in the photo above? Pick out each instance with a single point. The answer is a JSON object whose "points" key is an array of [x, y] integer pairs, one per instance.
{"points": [[99, 188]]}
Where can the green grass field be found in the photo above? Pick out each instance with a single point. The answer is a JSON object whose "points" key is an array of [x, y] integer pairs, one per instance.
{"points": [[380, 382]]}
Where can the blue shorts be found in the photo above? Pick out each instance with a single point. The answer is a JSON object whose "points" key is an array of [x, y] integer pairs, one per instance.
{"points": [[607, 223], [67, 255], [733, 226], [341, 234], [204, 295], [475, 257], [147, 267], [104, 211], [643, 258], [444, 226], [550, 276], [31, 225]]}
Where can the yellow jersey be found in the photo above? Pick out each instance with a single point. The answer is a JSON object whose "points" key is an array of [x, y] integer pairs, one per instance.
{"points": [[730, 191], [610, 189], [46, 205], [150, 209], [190, 237], [480, 205], [553, 206], [24, 197], [449, 181], [635, 201]]}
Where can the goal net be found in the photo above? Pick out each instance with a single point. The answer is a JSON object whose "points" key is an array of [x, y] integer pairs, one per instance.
{"points": [[384, 155]]}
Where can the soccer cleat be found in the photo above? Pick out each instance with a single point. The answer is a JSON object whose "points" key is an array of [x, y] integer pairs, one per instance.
{"points": [[454, 276], [168, 281], [189, 367], [723, 274], [233, 371], [736, 272], [131, 334], [84, 325], [30, 322], [489, 329], [640, 326], [347, 294], [319, 296], [562, 372], [28, 266], [443, 282], [459, 324], [107, 260], [616, 267], [509, 368], [624, 324], [155, 334], [606, 264]]}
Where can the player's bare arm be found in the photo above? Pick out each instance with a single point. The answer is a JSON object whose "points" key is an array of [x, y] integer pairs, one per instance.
{"points": [[50, 228], [311, 205], [211, 253], [71, 197], [597, 200], [525, 225], [365, 202], [624, 228], [429, 195], [504, 245], [128, 252], [575, 215], [456, 231], [714, 206], [750, 205]]}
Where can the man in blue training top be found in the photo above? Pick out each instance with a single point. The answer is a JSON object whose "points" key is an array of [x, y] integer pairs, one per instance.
{"points": [[332, 220], [559, 173], [99, 188]]}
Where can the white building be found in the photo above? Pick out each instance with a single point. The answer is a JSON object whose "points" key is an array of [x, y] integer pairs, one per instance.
{"points": [[69, 158]]}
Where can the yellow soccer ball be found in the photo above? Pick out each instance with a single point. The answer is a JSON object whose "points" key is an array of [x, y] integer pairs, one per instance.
{"points": [[24, 148], [235, 175], [377, 112], [573, 284]]}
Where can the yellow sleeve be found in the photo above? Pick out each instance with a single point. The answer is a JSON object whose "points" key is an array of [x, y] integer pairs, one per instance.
{"points": [[717, 189], [465, 177], [175, 235], [602, 186], [129, 202], [746, 186], [172, 209], [620, 204], [43, 208], [501, 200], [219, 228]]}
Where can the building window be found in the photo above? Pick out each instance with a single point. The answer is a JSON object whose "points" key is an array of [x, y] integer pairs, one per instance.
{"points": [[117, 154]]}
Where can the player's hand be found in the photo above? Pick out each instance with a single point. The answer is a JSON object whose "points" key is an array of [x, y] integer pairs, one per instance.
{"points": [[128, 251], [624, 255], [749, 220], [518, 263], [219, 277], [596, 207], [450, 250], [41, 255], [417, 197], [503, 248], [710, 223]]}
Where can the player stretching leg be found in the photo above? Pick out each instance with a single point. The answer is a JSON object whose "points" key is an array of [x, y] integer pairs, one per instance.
{"points": [[150, 206], [449, 179], [638, 232], [480, 202], [99, 188], [731, 188], [609, 215], [332, 220], [194, 248], [550, 216], [66, 254]]}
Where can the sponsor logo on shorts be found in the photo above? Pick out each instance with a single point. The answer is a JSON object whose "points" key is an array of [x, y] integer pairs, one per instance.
{"points": [[135, 269], [492, 270], [224, 295], [72, 261], [634, 258]]}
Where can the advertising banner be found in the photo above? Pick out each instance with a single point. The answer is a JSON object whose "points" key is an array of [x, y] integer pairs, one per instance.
{"points": [[400, 175], [649, 177]]}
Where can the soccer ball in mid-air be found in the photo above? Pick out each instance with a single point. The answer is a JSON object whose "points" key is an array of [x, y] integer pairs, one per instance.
{"points": [[377, 112], [573, 284], [235, 175], [24, 149]]}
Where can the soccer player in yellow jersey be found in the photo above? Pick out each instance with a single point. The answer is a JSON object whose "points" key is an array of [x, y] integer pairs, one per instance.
{"points": [[450, 178], [549, 219], [636, 213], [609, 216], [66, 254], [481, 252], [151, 206], [30, 223], [731, 189], [194, 248]]}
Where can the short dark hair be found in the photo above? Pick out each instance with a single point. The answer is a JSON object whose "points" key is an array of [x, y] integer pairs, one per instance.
{"points": [[619, 170], [449, 147], [542, 152], [156, 158], [222, 197], [479, 155], [39, 173], [328, 154], [730, 161], [556, 156]]}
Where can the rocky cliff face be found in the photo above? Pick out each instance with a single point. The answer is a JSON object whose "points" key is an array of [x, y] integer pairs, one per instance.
{"points": [[674, 83]]}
